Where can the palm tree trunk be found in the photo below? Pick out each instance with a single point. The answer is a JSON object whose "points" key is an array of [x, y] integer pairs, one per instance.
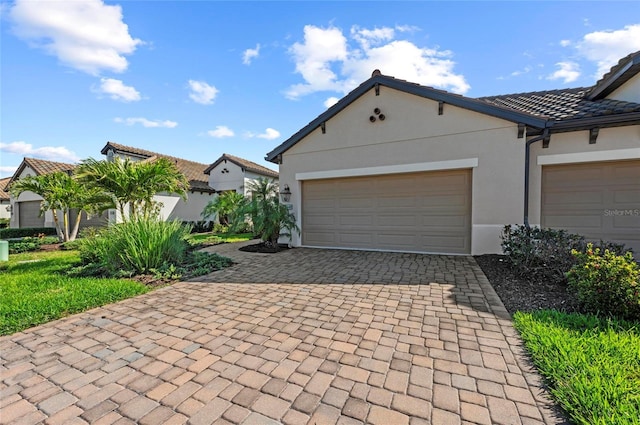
{"points": [[76, 227]]}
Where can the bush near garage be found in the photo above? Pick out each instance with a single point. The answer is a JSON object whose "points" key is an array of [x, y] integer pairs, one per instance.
{"points": [[546, 253], [27, 231], [606, 283]]}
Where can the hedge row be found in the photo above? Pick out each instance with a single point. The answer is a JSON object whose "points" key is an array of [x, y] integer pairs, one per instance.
{"points": [[27, 231]]}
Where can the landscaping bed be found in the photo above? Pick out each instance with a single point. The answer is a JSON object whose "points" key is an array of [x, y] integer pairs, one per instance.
{"points": [[264, 248], [525, 293]]}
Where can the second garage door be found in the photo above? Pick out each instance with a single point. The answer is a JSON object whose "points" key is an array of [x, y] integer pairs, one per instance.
{"points": [[415, 212], [599, 200]]}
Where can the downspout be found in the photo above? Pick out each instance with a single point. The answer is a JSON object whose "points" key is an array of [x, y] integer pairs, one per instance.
{"points": [[527, 156]]}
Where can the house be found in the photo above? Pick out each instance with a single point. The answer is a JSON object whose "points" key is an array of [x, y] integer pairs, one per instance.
{"points": [[5, 209], [399, 166], [233, 173], [173, 207], [25, 209]]}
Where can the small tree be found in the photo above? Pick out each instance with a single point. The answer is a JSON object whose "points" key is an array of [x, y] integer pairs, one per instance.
{"points": [[62, 192], [225, 207], [270, 218], [134, 183]]}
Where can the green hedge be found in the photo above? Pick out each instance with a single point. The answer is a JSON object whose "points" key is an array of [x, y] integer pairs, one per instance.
{"points": [[27, 231]]}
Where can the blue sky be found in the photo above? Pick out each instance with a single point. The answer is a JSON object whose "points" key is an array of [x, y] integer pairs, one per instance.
{"points": [[196, 79]]}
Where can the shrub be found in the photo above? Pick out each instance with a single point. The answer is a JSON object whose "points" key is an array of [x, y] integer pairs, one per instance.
{"points": [[540, 252], [135, 247], [4, 222], [27, 231], [546, 253], [30, 243], [201, 226], [606, 282]]}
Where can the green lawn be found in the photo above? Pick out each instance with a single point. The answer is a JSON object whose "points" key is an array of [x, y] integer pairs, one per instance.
{"points": [[35, 290], [196, 238], [592, 365]]}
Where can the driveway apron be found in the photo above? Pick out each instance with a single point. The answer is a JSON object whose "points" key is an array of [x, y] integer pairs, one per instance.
{"points": [[303, 336]]}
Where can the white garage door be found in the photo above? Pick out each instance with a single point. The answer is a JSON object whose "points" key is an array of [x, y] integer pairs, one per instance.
{"points": [[29, 214], [598, 200], [416, 212]]}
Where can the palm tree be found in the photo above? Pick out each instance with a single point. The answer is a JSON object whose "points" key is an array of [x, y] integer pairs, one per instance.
{"points": [[63, 192], [224, 206], [268, 215], [134, 183]]}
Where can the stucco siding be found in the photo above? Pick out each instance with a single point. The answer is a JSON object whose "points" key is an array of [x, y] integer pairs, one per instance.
{"points": [[414, 133], [629, 91], [174, 208]]}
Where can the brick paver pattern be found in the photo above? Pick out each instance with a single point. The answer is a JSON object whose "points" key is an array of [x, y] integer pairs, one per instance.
{"points": [[304, 336]]}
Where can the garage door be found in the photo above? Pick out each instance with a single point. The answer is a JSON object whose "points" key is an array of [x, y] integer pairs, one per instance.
{"points": [[416, 212], [598, 200], [29, 214]]}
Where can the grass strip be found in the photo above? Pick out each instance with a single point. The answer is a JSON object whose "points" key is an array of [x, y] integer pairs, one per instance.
{"points": [[34, 290], [592, 365]]}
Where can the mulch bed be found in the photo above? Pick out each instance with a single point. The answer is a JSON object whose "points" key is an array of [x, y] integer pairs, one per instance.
{"points": [[264, 248], [520, 294]]}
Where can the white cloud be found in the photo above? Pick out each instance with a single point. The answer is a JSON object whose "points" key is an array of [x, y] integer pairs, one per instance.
{"points": [[605, 48], [116, 90], [86, 35], [202, 92], [221, 131], [565, 43], [525, 70], [567, 72], [146, 123], [327, 62], [51, 153], [250, 54], [330, 102], [7, 170], [269, 134]]}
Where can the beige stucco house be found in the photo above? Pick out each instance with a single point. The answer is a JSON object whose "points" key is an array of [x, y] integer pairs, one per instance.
{"points": [[172, 206], [399, 166], [25, 209], [230, 172]]}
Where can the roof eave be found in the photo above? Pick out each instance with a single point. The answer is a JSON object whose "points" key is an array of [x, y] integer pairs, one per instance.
{"points": [[614, 120]]}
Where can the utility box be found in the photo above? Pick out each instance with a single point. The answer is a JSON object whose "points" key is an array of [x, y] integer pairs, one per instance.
{"points": [[4, 251]]}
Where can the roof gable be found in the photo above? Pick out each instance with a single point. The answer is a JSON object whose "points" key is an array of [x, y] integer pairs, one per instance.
{"points": [[623, 71], [40, 167], [555, 110], [244, 164], [194, 171]]}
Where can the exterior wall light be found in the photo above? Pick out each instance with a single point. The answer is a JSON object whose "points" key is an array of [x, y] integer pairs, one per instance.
{"points": [[286, 193]]}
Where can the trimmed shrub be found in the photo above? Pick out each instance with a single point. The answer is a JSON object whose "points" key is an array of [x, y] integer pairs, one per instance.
{"points": [[4, 222], [546, 253], [201, 226], [606, 283], [540, 252], [27, 231], [135, 247]]}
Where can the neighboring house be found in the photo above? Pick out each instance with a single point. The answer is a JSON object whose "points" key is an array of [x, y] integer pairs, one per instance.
{"points": [[399, 166], [25, 209], [232, 173], [173, 207], [5, 209]]}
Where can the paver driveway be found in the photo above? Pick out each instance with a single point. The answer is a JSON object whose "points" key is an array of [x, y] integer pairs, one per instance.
{"points": [[304, 336]]}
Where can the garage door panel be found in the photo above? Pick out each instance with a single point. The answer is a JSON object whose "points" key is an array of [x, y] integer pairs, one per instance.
{"points": [[422, 212], [29, 214], [598, 200], [321, 220]]}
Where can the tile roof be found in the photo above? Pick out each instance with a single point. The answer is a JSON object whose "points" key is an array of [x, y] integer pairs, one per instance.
{"points": [[194, 171], [41, 166], [619, 74], [244, 163], [4, 196], [560, 105]]}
